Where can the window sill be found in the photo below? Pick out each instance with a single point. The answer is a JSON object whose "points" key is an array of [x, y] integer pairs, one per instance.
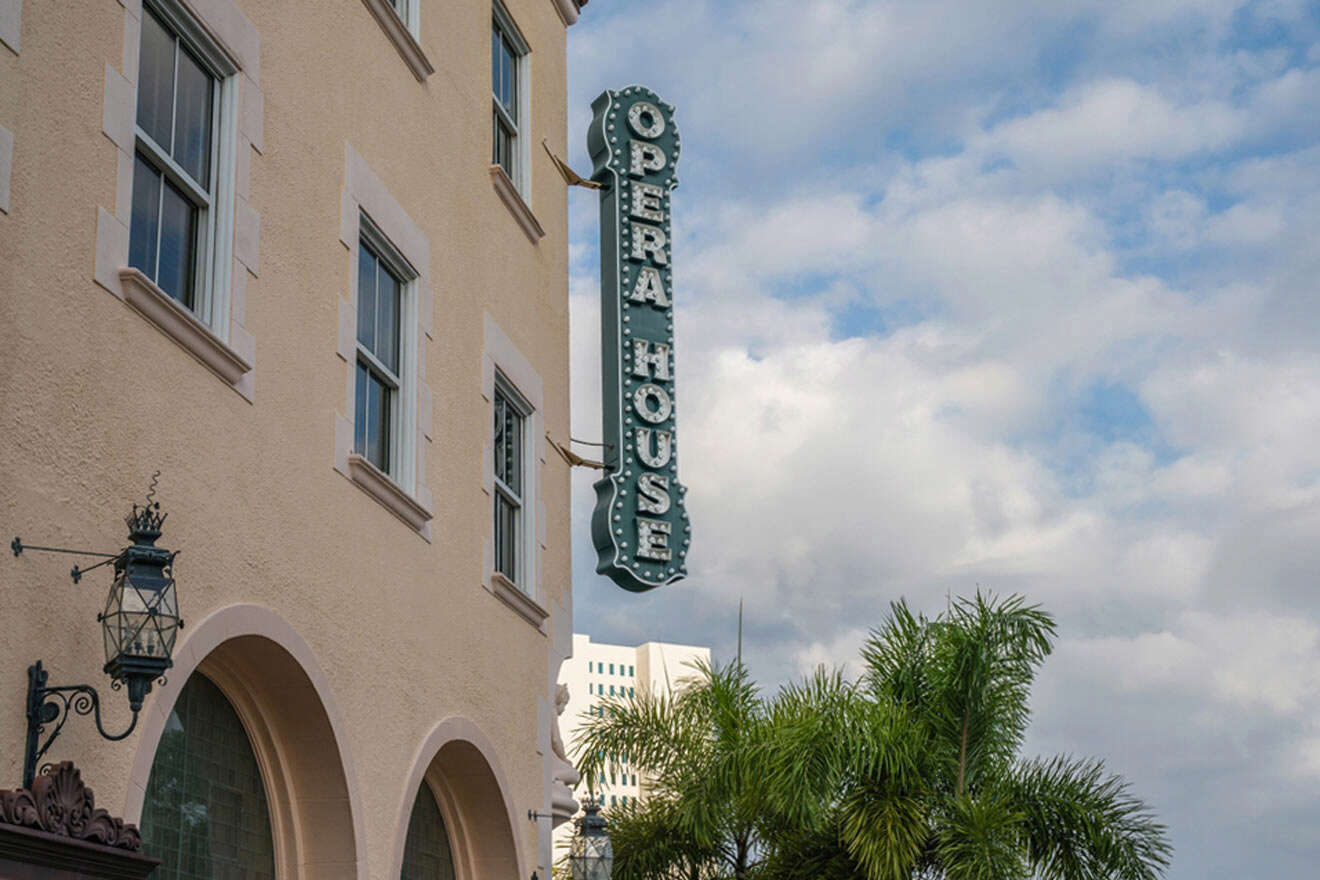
{"points": [[525, 605], [387, 492], [175, 321], [409, 49], [513, 200]]}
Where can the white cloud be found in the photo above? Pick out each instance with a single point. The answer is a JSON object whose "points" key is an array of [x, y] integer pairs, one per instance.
{"points": [[1137, 215]]}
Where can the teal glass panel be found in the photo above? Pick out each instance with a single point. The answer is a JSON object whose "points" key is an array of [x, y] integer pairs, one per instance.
{"points": [[426, 853], [205, 815]]}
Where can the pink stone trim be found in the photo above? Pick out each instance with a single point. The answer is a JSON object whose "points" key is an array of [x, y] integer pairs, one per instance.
{"points": [[525, 605], [221, 625], [176, 322], [455, 728], [404, 42], [387, 492], [513, 200]]}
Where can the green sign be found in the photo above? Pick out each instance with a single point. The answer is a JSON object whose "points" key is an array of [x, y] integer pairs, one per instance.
{"points": [[639, 527]]}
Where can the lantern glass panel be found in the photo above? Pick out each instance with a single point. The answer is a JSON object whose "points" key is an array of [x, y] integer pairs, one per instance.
{"points": [[591, 857]]}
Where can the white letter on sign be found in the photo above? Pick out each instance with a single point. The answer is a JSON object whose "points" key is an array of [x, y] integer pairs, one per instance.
{"points": [[660, 457], [649, 239], [645, 119], [648, 202], [649, 392], [649, 287], [650, 354], [653, 539], [653, 493], [646, 157]]}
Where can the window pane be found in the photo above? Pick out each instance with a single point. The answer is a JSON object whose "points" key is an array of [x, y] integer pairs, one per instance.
{"points": [[499, 408], [506, 537], [366, 315], [205, 813], [378, 424], [145, 222], [513, 449], [360, 410], [495, 62], [192, 120], [426, 853], [510, 76], [155, 80], [178, 235], [387, 319]]}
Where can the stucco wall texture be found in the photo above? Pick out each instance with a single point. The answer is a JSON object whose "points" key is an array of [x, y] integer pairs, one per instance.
{"points": [[94, 398]]}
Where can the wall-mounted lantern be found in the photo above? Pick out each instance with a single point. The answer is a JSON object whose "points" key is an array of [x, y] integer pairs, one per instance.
{"points": [[591, 856], [139, 626]]}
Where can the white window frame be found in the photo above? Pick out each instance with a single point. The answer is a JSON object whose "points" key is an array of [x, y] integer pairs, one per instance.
{"points": [[522, 64], [524, 546], [403, 415], [215, 243], [409, 14]]}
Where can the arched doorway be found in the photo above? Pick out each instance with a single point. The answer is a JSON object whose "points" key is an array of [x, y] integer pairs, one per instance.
{"points": [[205, 813], [427, 852]]}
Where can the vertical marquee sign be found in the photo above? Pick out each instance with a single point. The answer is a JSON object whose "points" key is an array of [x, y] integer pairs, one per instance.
{"points": [[639, 527]]}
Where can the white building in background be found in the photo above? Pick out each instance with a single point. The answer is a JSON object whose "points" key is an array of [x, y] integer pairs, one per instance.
{"points": [[594, 673]]}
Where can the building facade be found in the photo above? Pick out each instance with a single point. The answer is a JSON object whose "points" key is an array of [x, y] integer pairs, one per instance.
{"points": [[308, 259], [598, 671]]}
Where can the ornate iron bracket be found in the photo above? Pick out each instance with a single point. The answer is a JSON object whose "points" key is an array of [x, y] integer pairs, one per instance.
{"points": [[52, 705]]}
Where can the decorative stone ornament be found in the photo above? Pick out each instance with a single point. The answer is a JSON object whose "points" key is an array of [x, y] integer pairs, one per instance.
{"points": [[640, 527], [60, 804]]}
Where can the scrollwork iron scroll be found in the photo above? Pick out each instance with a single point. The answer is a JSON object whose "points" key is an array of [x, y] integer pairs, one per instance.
{"points": [[52, 705]]}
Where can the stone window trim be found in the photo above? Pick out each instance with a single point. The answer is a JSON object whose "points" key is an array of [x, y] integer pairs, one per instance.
{"points": [[11, 18], [225, 32], [367, 207], [181, 325], [6, 165], [517, 206], [501, 356], [403, 34]]}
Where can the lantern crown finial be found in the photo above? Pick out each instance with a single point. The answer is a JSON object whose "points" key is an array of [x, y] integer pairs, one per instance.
{"points": [[144, 523]]}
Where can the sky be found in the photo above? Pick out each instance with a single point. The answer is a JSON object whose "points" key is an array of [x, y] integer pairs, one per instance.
{"points": [[1017, 296]]}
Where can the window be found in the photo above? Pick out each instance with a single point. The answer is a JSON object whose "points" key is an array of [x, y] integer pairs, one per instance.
{"points": [[634, 779], [589, 666], [631, 692], [507, 49], [426, 852], [511, 412], [611, 669], [175, 238], [205, 811], [630, 671], [591, 688], [376, 428], [401, 7], [611, 690]]}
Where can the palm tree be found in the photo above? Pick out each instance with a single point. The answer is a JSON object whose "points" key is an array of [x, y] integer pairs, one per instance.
{"points": [[703, 749], [916, 771]]}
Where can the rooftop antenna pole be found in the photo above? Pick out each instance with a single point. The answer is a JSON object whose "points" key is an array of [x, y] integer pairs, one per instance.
{"points": [[740, 601]]}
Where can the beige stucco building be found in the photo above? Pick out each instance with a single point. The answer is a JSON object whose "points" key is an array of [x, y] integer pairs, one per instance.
{"points": [[308, 259]]}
